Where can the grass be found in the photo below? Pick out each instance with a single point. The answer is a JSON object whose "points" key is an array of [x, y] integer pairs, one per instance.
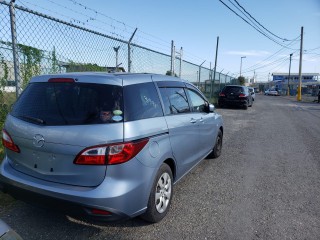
{"points": [[6, 101], [9, 98]]}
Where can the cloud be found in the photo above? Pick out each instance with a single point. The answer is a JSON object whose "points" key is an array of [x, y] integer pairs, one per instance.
{"points": [[249, 53]]}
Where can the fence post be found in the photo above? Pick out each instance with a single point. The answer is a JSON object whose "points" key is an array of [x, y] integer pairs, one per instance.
{"points": [[200, 73], [129, 50], [14, 48], [173, 52]]}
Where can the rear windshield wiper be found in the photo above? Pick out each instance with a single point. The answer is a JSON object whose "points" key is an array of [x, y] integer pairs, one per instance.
{"points": [[33, 119]]}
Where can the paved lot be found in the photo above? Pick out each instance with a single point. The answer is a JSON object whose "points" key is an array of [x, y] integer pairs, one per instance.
{"points": [[266, 185]]}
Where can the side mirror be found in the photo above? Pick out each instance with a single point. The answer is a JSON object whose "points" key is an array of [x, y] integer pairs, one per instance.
{"points": [[211, 108]]}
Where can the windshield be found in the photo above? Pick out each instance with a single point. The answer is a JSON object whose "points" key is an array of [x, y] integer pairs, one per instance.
{"points": [[70, 104]]}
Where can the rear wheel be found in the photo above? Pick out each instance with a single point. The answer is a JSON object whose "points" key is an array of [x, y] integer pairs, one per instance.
{"points": [[216, 151], [160, 196]]}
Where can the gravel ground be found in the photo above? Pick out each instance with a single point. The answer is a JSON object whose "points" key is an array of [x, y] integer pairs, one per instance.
{"points": [[265, 185]]}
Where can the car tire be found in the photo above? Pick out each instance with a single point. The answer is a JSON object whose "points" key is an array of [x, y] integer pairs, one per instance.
{"points": [[216, 151], [245, 107], [160, 195]]}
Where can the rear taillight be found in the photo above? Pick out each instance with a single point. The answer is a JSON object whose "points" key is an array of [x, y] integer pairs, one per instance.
{"points": [[8, 142], [242, 95], [110, 154], [222, 95]]}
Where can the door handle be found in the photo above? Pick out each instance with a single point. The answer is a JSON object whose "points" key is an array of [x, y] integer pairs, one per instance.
{"points": [[193, 120]]}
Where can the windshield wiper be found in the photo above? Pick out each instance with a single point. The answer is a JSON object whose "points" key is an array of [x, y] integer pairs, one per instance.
{"points": [[33, 119]]}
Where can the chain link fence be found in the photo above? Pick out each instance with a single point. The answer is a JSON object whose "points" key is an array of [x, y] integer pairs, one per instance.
{"points": [[32, 43]]}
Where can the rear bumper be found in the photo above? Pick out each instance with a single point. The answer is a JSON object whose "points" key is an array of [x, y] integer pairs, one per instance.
{"points": [[241, 102], [113, 195], [61, 205]]}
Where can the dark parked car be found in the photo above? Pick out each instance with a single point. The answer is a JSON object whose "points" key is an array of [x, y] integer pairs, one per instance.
{"points": [[235, 95], [110, 146]]}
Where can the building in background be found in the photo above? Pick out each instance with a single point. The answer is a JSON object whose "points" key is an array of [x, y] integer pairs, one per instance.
{"points": [[310, 81]]}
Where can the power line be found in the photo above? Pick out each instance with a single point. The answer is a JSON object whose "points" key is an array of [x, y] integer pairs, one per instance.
{"points": [[258, 65], [283, 39], [259, 30]]}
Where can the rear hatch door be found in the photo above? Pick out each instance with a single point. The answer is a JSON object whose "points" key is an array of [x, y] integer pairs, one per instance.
{"points": [[53, 122]]}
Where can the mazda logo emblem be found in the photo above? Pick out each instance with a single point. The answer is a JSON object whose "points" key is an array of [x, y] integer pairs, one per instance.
{"points": [[38, 140]]}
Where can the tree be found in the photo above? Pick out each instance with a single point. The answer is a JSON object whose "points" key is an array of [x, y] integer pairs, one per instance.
{"points": [[241, 80], [170, 74], [31, 65], [55, 65]]}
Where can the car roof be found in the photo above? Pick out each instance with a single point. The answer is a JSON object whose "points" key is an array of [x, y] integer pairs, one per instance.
{"points": [[120, 79], [240, 86]]}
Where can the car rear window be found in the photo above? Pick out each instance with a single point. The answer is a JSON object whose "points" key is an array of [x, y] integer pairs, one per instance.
{"points": [[233, 90], [70, 104]]}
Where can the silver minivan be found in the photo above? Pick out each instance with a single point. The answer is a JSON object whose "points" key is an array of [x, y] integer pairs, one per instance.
{"points": [[110, 146]]}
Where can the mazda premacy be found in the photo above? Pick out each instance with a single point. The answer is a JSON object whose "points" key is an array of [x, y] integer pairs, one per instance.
{"points": [[110, 146]]}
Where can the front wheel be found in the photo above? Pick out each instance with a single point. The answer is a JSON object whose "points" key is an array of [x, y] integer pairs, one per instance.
{"points": [[160, 196], [216, 151]]}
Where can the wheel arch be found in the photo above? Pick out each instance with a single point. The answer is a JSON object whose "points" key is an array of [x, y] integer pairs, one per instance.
{"points": [[171, 163], [221, 129]]}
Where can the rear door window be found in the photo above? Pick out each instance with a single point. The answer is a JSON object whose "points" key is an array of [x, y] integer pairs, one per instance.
{"points": [[141, 102], [70, 104], [175, 100]]}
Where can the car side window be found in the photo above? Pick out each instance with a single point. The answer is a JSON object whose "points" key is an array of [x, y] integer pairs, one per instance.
{"points": [[198, 103], [175, 100], [141, 101]]}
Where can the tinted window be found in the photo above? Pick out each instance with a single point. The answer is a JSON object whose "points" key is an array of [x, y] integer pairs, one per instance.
{"points": [[174, 100], [69, 103], [198, 103], [233, 89], [141, 101]]}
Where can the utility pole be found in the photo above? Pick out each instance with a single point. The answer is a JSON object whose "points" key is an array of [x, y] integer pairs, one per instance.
{"points": [[215, 68], [180, 59], [116, 49], [300, 67], [288, 94], [241, 64], [173, 53]]}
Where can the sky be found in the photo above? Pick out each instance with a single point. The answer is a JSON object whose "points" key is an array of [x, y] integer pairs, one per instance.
{"points": [[195, 26]]}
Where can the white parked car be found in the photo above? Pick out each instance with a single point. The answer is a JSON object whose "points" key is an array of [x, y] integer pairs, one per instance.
{"points": [[271, 92], [253, 94]]}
